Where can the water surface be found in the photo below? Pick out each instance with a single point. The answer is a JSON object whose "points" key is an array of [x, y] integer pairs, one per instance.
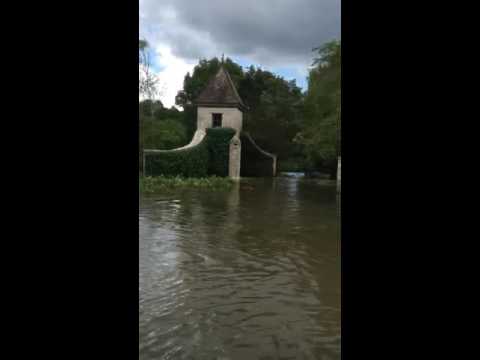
{"points": [[251, 273]]}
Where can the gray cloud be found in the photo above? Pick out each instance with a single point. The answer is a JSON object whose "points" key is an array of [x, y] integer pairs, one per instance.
{"points": [[269, 32]]}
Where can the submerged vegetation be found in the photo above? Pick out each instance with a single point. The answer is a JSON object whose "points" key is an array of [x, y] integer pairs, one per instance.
{"points": [[150, 185]]}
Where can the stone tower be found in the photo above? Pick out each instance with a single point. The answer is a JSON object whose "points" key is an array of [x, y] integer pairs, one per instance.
{"points": [[219, 105]]}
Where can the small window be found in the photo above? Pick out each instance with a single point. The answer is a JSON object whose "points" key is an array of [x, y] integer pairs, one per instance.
{"points": [[216, 120]]}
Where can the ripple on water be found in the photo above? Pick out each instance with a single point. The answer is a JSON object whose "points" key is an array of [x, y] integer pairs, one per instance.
{"points": [[252, 275]]}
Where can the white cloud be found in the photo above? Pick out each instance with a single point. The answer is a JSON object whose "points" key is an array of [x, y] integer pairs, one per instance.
{"points": [[274, 34], [171, 75]]}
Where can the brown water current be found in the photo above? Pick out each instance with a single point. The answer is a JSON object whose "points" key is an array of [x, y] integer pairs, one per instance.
{"points": [[247, 273]]}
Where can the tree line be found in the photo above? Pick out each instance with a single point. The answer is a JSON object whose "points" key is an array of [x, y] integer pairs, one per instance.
{"points": [[302, 128]]}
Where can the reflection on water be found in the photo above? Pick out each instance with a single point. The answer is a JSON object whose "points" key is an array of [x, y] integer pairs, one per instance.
{"points": [[252, 273]]}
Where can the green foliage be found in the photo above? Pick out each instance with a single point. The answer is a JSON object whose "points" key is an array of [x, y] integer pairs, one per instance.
{"points": [[193, 84], [164, 135], [274, 115], [142, 44], [190, 162], [189, 119], [292, 164], [210, 157], [150, 185], [150, 107], [303, 130], [320, 131], [161, 128], [219, 150], [202, 73], [274, 118], [254, 163]]}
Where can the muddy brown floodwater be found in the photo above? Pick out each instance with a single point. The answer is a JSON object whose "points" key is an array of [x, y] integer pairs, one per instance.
{"points": [[251, 273]]}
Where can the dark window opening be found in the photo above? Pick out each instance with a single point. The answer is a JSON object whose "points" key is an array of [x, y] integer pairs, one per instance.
{"points": [[216, 120]]}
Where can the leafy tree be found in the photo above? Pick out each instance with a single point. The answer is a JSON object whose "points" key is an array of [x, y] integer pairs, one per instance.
{"points": [[162, 128], [321, 112], [147, 88], [194, 84], [274, 115], [281, 118], [272, 118], [147, 81], [165, 134], [202, 73], [149, 107]]}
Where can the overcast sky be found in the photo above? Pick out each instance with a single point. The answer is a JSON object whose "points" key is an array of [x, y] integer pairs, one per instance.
{"points": [[277, 35]]}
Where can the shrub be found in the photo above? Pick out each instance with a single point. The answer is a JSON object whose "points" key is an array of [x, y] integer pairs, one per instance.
{"points": [[210, 157], [291, 164], [218, 140], [190, 162], [163, 134]]}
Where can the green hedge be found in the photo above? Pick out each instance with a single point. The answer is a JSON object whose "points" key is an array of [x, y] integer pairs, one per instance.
{"points": [[218, 140], [210, 157], [191, 162]]}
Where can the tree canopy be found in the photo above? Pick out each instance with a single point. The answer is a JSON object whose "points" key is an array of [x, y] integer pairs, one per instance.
{"points": [[301, 128], [321, 109], [271, 118], [162, 128], [147, 81]]}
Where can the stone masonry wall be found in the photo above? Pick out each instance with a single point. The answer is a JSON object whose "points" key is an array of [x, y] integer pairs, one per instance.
{"points": [[235, 158], [232, 117]]}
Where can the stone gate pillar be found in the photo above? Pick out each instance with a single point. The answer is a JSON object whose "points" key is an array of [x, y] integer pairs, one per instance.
{"points": [[235, 157]]}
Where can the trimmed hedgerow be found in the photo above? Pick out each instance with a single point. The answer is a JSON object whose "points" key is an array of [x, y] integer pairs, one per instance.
{"points": [[218, 140], [210, 157], [190, 162]]}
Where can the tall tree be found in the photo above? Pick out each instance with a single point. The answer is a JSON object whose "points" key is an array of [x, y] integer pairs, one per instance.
{"points": [[147, 88], [272, 117], [193, 84], [147, 80], [162, 128], [321, 120]]}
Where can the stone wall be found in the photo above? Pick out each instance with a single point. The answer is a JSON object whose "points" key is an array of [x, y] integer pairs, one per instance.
{"points": [[256, 162], [235, 158], [232, 117]]}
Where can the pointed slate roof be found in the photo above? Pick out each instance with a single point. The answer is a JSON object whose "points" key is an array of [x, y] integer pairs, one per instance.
{"points": [[220, 92]]}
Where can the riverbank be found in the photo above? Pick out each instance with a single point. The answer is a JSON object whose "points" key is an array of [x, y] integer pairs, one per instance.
{"points": [[149, 185]]}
